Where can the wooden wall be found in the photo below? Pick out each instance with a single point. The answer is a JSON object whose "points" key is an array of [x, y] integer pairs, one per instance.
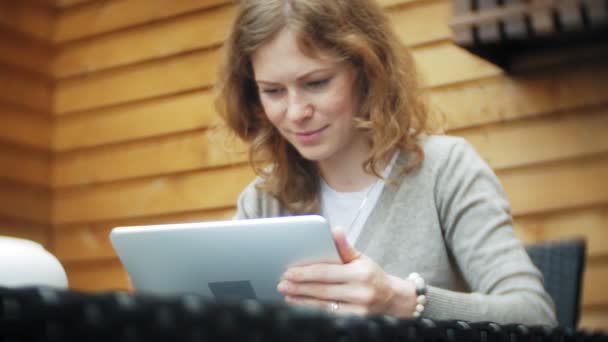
{"points": [[25, 120], [131, 139]]}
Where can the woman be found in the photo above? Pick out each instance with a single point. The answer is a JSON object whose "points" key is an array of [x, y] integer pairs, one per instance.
{"points": [[327, 99]]}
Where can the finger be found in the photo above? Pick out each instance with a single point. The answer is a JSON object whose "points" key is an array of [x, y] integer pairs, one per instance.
{"points": [[331, 306], [321, 273], [346, 251], [342, 292]]}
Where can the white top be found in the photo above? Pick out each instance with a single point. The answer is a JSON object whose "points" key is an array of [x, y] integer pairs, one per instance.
{"points": [[350, 210]]}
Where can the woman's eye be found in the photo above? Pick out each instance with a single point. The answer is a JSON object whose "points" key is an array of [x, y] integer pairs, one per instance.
{"points": [[318, 83], [272, 91]]}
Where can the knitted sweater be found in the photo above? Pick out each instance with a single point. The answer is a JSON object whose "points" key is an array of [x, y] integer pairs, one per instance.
{"points": [[448, 220]]}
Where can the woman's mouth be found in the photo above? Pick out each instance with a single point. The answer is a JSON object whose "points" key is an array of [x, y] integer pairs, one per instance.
{"points": [[310, 137]]}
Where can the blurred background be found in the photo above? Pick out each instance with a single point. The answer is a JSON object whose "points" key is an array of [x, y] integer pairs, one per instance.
{"points": [[106, 109]]}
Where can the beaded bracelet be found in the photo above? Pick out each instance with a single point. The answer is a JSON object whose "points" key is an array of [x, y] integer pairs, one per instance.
{"points": [[420, 293]]}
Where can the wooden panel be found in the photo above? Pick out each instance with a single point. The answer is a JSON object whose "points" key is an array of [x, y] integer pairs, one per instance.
{"points": [[24, 89], [590, 223], [543, 139], [27, 17], [557, 186], [594, 319], [89, 241], [170, 154], [198, 70], [530, 142], [103, 16], [183, 34], [26, 53], [96, 276], [594, 284], [64, 4], [153, 196], [20, 201], [506, 98], [421, 24], [165, 77], [436, 65], [464, 106], [24, 165], [26, 230], [22, 127], [167, 115]]}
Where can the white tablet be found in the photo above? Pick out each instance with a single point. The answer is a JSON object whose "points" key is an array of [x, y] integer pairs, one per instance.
{"points": [[241, 258]]}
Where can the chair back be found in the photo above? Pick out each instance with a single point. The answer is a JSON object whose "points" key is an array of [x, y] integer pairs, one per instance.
{"points": [[562, 264]]}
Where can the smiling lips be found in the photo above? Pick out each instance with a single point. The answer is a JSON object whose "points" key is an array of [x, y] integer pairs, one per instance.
{"points": [[310, 136]]}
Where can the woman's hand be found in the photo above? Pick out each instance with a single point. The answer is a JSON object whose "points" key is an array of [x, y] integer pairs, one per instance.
{"points": [[359, 286]]}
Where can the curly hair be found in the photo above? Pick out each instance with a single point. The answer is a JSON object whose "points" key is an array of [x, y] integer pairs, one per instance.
{"points": [[392, 113]]}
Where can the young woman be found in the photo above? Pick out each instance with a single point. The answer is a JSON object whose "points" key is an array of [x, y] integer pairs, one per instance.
{"points": [[327, 98]]}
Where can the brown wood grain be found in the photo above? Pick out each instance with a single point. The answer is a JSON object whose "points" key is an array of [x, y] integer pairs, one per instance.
{"points": [[24, 165], [24, 89], [557, 186], [24, 202], [89, 241], [22, 127], [27, 17], [208, 189], [24, 52], [190, 151]]}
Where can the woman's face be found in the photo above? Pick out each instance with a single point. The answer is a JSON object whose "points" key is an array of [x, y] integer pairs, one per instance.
{"points": [[310, 101]]}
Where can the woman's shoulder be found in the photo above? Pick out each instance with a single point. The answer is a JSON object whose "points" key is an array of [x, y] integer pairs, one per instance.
{"points": [[440, 150], [254, 202]]}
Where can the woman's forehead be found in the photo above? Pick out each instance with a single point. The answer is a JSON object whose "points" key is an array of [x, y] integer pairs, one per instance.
{"points": [[285, 53]]}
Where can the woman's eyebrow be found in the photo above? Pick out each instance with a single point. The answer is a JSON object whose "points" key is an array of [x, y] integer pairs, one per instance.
{"points": [[307, 74]]}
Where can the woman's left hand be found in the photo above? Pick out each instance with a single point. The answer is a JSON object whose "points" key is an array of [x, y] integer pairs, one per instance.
{"points": [[359, 286]]}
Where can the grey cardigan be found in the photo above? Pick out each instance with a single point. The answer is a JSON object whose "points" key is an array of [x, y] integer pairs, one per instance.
{"points": [[448, 220]]}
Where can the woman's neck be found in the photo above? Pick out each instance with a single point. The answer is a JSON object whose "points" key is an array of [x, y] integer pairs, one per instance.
{"points": [[345, 173]]}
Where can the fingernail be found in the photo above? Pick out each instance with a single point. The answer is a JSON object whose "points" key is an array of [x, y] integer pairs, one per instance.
{"points": [[282, 286], [288, 275]]}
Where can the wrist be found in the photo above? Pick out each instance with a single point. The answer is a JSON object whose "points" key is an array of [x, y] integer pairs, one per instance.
{"points": [[404, 301]]}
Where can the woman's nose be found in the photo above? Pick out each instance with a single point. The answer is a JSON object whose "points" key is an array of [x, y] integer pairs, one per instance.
{"points": [[298, 108]]}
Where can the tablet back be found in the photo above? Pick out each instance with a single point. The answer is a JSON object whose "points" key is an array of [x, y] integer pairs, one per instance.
{"points": [[241, 258]]}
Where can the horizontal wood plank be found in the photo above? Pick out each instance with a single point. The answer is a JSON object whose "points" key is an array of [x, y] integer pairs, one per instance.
{"points": [[24, 52], [426, 22], [189, 72], [20, 201], [199, 70], [588, 223], [22, 127], [106, 16], [24, 89], [594, 320], [557, 186], [167, 115], [505, 98], [65, 4], [89, 241], [152, 157], [542, 139], [595, 280], [210, 189], [143, 43], [27, 17], [96, 276], [118, 15], [26, 230], [25, 165], [485, 103], [421, 22]]}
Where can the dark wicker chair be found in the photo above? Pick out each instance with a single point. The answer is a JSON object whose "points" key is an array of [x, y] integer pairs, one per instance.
{"points": [[562, 264]]}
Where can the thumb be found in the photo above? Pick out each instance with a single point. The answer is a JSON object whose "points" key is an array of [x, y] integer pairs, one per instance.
{"points": [[347, 252]]}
